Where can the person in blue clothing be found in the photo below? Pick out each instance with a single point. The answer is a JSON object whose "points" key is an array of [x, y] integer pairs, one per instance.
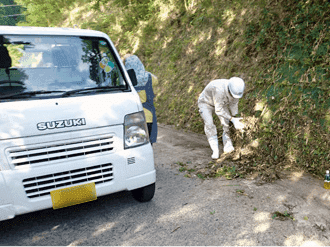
{"points": [[145, 91]]}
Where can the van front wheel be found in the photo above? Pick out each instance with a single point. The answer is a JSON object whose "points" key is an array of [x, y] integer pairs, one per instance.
{"points": [[144, 194]]}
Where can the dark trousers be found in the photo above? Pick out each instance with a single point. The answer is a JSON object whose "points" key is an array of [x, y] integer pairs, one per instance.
{"points": [[149, 125]]}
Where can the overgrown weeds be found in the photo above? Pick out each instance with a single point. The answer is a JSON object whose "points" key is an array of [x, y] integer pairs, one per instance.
{"points": [[280, 48]]}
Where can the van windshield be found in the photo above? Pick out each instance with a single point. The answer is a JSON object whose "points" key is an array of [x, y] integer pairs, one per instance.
{"points": [[49, 66]]}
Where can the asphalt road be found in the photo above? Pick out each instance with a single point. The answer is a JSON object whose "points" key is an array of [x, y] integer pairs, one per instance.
{"points": [[185, 211]]}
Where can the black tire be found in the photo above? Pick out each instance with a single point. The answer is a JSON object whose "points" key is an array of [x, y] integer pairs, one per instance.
{"points": [[144, 194]]}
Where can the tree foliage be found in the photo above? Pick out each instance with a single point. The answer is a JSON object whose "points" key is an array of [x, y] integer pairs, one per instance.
{"points": [[10, 13], [45, 13]]}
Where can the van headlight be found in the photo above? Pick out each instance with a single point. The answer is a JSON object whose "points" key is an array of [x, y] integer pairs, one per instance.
{"points": [[135, 130]]}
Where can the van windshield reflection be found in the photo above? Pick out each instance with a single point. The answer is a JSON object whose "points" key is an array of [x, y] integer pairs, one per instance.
{"points": [[48, 65]]}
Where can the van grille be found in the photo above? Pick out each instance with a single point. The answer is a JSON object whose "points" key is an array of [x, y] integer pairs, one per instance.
{"points": [[54, 152], [42, 185]]}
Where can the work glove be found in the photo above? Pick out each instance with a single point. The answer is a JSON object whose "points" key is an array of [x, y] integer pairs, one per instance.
{"points": [[237, 124]]}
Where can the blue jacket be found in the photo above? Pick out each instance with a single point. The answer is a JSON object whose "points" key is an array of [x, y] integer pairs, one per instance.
{"points": [[149, 105]]}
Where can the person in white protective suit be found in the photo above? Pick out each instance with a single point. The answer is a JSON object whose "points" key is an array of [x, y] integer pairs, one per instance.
{"points": [[221, 96]]}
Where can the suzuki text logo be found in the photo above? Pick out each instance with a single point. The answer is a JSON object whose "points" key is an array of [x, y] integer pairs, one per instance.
{"points": [[61, 124]]}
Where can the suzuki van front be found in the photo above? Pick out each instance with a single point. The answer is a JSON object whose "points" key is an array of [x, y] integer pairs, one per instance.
{"points": [[72, 126]]}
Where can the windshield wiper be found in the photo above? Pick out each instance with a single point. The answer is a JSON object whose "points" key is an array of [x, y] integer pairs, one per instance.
{"points": [[29, 93], [93, 89]]}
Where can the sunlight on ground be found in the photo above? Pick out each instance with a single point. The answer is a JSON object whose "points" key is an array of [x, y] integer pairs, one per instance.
{"points": [[202, 37], [259, 105], [262, 227], [78, 242], [199, 38], [312, 243], [242, 234], [167, 41], [73, 14], [307, 132], [103, 228], [136, 46], [229, 14], [255, 143], [291, 155], [190, 88], [321, 193], [326, 197], [135, 39], [294, 240], [262, 218], [210, 34], [55, 227], [220, 47], [165, 9], [296, 176], [280, 199], [267, 115], [250, 122], [189, 4], [37, 238], [189, 50], [157, 37], [245, 242], [88, 14], [140, 227], [311, 195], [220, 30], [78, 14], [249, 148], [183, 211]]}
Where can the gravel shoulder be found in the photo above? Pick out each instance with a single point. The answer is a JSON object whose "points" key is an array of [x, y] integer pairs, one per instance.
{"points": [[187, 211], [241, 211]]}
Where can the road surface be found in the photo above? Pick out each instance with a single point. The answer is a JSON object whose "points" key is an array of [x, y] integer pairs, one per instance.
{"points": [[186, 211]]}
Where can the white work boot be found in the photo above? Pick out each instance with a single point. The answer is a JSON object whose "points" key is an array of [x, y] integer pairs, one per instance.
{"points": [[213, 141], [227, 144], [228, 147]]}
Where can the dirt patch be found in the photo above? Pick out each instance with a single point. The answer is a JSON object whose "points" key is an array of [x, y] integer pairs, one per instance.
{"points": [[288, 204]]}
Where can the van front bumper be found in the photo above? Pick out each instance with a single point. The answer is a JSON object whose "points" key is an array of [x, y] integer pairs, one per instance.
{"points": [[127, 175], [7, 212]]}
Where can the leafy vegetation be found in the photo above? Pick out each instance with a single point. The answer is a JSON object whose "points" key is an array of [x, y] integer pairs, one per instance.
{"points": [[280, 48], [282, 216], [10, 13]]}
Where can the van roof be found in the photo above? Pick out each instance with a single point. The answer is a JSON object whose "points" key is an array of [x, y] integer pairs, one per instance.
{"points": [[5, 30]]}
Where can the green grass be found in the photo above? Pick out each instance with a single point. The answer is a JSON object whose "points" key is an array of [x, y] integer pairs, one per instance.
{"points": [[280, 48]]}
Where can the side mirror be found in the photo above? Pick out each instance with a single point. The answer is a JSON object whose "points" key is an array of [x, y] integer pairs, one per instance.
{"points": [[132, 76]]}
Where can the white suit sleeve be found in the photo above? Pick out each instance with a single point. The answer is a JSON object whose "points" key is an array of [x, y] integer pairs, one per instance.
{"points": [[234, 107], [220, 104]]}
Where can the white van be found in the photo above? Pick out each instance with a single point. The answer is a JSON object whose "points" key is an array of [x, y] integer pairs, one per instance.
{"points": [[72, 127]]}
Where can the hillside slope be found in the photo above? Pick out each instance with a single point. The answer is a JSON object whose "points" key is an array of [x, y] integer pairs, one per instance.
{"points": [[280, 48]]}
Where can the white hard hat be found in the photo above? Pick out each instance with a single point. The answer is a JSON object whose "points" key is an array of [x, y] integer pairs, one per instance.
{"points": [[236, 87]]}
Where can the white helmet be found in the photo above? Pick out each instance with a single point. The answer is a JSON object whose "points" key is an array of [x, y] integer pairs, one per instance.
{"points": [[236, 87]]}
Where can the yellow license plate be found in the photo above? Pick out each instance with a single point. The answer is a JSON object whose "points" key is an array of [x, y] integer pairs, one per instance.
{"points": [[73, 195]]}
